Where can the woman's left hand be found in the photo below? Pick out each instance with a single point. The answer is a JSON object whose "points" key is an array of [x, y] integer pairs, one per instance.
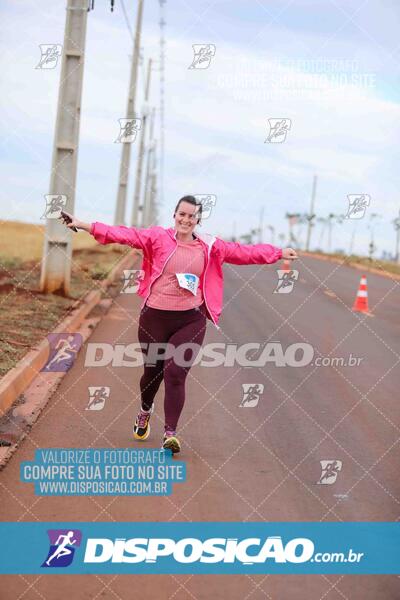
{"points": [[289, 254]]}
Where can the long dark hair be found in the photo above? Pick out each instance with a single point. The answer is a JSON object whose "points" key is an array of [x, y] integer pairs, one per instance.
{"points": [[190, 200]]}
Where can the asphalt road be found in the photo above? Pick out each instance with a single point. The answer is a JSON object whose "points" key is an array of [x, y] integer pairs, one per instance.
{"points": [[244, 463]]}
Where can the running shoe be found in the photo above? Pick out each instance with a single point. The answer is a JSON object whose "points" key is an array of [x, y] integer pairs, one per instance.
{"points": [[141, 428], [171, 442]]}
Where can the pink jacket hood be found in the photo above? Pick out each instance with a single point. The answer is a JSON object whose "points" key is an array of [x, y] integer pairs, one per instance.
{"points": [[158, 244]]}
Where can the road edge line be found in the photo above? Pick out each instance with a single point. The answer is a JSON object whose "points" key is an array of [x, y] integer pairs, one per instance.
{"points": [[16, 381]]}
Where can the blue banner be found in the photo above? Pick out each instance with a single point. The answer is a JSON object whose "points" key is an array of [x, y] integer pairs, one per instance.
{"points": [[193, 548]]}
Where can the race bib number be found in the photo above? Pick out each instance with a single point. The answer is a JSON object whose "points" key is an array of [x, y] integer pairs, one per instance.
{"points": [[188, 281]]}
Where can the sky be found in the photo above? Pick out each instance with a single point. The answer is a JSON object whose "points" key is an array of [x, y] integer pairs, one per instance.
{"points": [[329, 67]]}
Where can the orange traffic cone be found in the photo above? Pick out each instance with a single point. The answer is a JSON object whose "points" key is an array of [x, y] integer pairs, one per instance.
{"points": [[361, 301]]}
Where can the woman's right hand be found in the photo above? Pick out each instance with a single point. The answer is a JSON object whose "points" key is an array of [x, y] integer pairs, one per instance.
{"points": [[70, 221], [289, 254]]}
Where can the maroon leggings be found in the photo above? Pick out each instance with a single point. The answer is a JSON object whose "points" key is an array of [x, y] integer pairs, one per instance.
{"points": [[175, 327]]}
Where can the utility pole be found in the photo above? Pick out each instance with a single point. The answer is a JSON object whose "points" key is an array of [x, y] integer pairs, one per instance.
{"points": [[353, 235], [261, 226], [323, 223], [119, 217], [146, 220], [372, 247], [139, 166], [330, 217], [153, 192], [292, 220], [150, 190], [57, 251], [396, 224], [311, 214]]}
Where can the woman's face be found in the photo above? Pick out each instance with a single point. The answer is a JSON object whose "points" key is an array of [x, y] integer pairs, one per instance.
{"points": [[186, 217]]}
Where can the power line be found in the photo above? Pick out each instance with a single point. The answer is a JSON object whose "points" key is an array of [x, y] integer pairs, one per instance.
{"points": [[130, 31], [127, 21]]}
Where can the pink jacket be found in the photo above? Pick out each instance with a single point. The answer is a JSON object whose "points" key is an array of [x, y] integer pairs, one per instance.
{"points": [[159, 243]]}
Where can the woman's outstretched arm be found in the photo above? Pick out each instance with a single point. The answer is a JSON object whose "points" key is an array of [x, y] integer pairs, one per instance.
{"points": [[253, 254], [109, 234]]}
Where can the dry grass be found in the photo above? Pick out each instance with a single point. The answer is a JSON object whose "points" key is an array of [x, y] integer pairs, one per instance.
{"points": [[25, 240], [27, 315], [385, 266]]}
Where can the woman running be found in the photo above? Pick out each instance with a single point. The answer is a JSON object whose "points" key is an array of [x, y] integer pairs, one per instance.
{"points": [[182, 287]]}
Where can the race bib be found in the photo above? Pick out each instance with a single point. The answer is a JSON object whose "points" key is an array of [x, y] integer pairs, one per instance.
{"points": [[188, 281]]}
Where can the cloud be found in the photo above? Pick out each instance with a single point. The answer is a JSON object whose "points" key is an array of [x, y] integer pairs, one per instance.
{"points": [[344, 125]]}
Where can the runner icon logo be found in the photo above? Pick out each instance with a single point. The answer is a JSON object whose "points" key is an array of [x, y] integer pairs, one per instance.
{"points": [[278, 129], [62, 352], [50, 53], [330, 470], [128, 130], [357, 205], [207, 201], [63, 543], [203, 54], [251, 394], [97, 397], [286, 281], [54, 205], [132, 279]]}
